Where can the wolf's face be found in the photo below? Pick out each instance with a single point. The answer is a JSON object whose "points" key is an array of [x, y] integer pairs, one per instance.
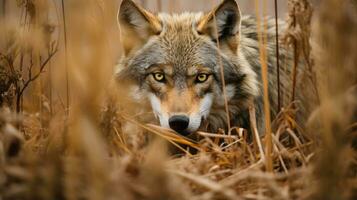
{"points": [[174, 62], [181, 99]]}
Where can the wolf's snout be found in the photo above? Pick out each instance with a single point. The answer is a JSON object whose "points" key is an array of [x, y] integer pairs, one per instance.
{"points": [[179, 123]]}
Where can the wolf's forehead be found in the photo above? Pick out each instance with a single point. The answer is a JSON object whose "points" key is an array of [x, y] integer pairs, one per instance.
{"points": [[179, 30], [179, 45], [179, 21], [180, 40]]}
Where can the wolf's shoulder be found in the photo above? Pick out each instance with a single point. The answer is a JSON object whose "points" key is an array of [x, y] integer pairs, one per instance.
{"points": [[249, 26], [249, 38]]}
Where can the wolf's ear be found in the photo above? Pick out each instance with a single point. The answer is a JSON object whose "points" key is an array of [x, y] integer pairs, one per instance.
{"points": [[136, 25], [223, 22]]}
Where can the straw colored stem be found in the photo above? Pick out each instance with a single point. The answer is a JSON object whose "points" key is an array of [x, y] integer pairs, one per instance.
{"points": [[264, 69]]}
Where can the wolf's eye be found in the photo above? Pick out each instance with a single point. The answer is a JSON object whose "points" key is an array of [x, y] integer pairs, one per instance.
{"points": [[160, 77], [201, 78]]}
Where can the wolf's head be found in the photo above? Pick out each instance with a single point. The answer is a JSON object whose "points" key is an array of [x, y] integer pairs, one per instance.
{"points": [[175, 63]]}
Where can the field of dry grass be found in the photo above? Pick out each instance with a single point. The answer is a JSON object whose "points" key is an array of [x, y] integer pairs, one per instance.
{"points": [[62, 137]]}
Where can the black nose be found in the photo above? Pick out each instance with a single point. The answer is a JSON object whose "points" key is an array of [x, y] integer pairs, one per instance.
{"points": [[179, 123]]}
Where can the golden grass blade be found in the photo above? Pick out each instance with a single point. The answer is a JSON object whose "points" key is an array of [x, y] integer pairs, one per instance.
{"points": [[264, 68], [226, 106]]}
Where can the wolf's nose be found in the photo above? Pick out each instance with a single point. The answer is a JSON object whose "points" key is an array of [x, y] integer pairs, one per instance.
{"points": [[179, 123]]}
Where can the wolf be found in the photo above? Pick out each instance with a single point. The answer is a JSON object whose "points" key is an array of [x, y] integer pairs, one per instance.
{"points": [[172, 65]]}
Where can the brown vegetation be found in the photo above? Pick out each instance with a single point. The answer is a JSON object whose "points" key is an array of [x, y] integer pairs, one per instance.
{"points": [[58, 141]]}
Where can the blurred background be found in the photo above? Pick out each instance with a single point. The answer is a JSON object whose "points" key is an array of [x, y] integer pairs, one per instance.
{"points": [[247, 6], [66, 20]]}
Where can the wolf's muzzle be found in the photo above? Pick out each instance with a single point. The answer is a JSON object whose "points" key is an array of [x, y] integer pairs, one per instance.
{"points": [[179, 123]]}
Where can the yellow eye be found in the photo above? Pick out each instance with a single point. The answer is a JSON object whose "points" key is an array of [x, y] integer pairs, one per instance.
{"points": [[159, 77], [202, 78]]}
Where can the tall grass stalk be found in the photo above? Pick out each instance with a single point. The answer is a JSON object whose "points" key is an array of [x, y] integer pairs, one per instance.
{"points": [[264, 68]]}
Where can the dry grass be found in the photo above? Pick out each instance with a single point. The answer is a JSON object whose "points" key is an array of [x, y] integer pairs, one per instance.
{"points": [[58, 141]]}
